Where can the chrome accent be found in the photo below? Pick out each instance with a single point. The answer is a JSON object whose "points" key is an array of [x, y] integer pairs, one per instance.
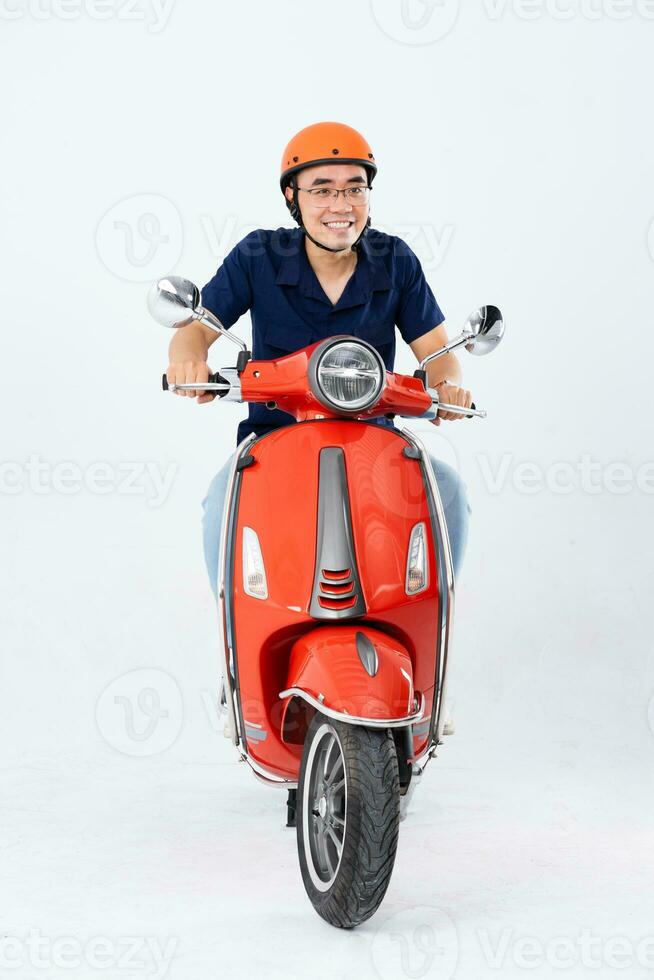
{"points": [[462, 338], [487, 325], [231, 375], [335, 550], [367, 652], [314, 383], [220, 588], [481, 334], [211, 321], [440, 682], [437, 404], [269, 778], [480, 413], [354, 719], [172, 301], [324, 807], [199, 386], [175, 302]]}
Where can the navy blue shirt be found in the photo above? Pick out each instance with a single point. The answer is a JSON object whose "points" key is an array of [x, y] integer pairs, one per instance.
{"points": [[269, 274]]}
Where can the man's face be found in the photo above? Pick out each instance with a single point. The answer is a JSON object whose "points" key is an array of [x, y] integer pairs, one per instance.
{"points": [[334, 222]]}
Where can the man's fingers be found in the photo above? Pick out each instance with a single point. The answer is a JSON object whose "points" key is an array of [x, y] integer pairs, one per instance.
{"points": [[453, 395]]}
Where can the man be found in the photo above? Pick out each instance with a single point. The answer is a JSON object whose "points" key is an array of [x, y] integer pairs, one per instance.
{"points": [[333, 274]]}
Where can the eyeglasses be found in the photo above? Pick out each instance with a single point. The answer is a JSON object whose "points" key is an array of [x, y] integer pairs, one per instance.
{"points": [[321, 197]]}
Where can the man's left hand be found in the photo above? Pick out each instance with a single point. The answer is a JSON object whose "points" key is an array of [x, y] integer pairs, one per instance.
{"points": [[452, 395]]}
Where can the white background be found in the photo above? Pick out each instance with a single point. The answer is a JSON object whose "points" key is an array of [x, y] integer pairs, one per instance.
{"points": [[515, 154]]}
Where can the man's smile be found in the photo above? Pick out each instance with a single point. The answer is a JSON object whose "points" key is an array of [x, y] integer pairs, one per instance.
{"points": [[339, 224]]}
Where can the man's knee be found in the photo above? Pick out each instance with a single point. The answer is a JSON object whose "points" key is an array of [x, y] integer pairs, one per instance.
{"points": [[451, 486]]}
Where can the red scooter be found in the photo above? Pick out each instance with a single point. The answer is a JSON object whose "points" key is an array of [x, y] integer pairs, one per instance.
{"points": [[335, 594]]}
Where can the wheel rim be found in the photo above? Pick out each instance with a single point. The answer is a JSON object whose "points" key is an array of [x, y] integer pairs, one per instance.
{"points": [[324, 807]]}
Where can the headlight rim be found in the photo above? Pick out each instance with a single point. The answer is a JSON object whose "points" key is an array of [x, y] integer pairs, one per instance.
{"points": [[316, 359]]}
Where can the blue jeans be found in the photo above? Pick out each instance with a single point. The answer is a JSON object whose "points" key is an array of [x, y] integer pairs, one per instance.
{"points": [[450, 484]]}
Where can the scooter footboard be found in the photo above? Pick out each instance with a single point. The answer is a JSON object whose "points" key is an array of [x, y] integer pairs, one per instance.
{"points": [[353, 673]]}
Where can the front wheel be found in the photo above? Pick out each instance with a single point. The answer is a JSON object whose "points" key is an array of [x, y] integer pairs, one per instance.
{"points": [[347, 819]]}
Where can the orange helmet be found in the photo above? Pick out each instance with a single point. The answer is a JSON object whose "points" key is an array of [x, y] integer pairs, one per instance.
{"points": [[326, 142]]}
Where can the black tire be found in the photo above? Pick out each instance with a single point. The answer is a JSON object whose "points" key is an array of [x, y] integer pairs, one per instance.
{"points": [[347, 889]]}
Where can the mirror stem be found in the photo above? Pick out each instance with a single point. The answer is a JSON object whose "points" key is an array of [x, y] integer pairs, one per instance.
{"points": [[211, 321], [459, 341]]}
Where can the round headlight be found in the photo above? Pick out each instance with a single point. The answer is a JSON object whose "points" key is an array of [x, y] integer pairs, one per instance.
{"points": [[348, 375]]}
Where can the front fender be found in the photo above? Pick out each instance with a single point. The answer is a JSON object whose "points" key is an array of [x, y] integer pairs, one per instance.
{"points": [[353, 673]]}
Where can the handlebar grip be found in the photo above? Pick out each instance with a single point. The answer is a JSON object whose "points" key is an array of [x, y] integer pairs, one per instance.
{"points": [[213, 378]]}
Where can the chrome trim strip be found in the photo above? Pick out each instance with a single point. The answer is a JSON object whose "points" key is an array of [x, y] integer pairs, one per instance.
{"points": [[269, 778], [446, 626], [355, 719], [226, 649]]}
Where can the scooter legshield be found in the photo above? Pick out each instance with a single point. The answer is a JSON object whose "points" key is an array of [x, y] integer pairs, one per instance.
{"points": [[354, 673]]}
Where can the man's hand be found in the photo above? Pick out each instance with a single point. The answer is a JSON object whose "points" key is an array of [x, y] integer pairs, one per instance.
{"points": [[452, 395], [186, 372]]}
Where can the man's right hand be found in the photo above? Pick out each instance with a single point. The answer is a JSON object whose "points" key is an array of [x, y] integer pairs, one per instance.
{"points": [[186, 372]]}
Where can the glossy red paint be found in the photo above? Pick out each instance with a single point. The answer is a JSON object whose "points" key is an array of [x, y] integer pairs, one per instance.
{"points": [[276, 639], [325, 663], [284, 381]]}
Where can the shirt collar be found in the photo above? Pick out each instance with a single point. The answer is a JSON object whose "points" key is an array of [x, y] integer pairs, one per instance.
{"points": [[369, 276]]}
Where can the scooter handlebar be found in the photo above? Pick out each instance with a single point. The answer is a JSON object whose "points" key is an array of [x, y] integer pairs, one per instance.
{"points": [[216, 383]]}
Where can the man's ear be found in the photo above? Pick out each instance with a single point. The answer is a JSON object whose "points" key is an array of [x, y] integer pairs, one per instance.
{"points": [[288, 193]]}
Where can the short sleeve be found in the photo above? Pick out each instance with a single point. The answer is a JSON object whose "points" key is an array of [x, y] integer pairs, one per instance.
{"points": [[229, 294], [418, 312]]}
